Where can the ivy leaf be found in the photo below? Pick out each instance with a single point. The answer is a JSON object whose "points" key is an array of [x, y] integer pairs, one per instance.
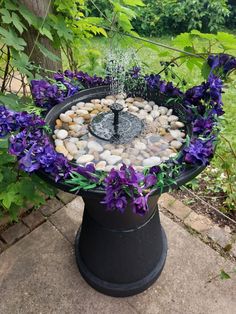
{"points": [[47, 53], [17, 23], [11, 39], [29, 16], [224, 275]]}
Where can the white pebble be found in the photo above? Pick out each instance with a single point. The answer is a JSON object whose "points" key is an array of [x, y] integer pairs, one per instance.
{"points": [[106, 154], [149, 119], [173, 118], [130, 99], [140, 146], [152, 161], [169, 112], [78, 120], [62, 134], [85, 159], [62, 150], [133, 109], [58, 142], [75, 127], [163, 110], [81, 144], [176, 144], [101, 165], [81, 111], [65, 118], [148, 108], [95, 146], [155, 113], [175, 133], [113, 159], [72, 148]]}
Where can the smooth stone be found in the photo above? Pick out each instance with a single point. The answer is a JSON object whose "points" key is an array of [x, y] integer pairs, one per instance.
{"points": [[59, 142], [176, 144], [95, 101], [169, 112], [139, 99], [62, 134], [149, 119], [65, 118], [145, 154], [84, 159], [58, 123], [78, 120], [168, 137], [69, 157], [113, 159], [117, 151], [163, 120], [75, 128], [133, 108], [151, 161], [69, 112], [120, 96], [71, 147], [182, 134], [154, 139], [119, 101], [86, 116], [62, 150], [81, 144], [95, 146], [106, 154], [175, 133], [107, 102], [148, 108], [153, 104], [142, 113], [74, 108], [81, 111], [155, 113], [80, 104], [80, 153], [101, 165], [111, 97], [127, 161], [173, 118], [138, 104], [176, 125], [163, 110], [140, 146], [130, 99], [74, 139]]}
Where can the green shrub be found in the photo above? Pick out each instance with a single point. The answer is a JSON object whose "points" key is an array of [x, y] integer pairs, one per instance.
{"points": [[161, 17]]}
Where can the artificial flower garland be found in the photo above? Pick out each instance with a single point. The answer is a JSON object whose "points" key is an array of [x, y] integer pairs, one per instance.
{"points": [[30, 143]]}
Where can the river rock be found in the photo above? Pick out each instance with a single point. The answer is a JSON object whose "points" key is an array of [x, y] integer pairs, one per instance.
{"points": [[81, 144], [176, 125], [130, 99], [72, 148], [75, 127], [62, 150], [85, 159], [175, 133], [169, 112], [81, 111], [106, 154], [151, 161], [58, 142], [176, 144], [133, 109], [163, 110], [113, 159], [65, 118], [155, 114], [95, 146], [101, 165], [173, 118], [140, 146], [62, 134], [148, 108]]}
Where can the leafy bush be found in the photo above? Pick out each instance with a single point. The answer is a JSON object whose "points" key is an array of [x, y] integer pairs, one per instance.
{"points": [[161, 17]]}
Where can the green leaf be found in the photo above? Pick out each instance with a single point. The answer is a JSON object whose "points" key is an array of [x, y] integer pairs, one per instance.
{"points": [[134, 3], [10, 100], [183, 40], [205, 70], [11, 39], [224, 275], [47, 53], [17, 23], [29, 16]]}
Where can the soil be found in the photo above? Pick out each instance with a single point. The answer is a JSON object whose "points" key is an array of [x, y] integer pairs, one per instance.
{"points": [[209, 199]]}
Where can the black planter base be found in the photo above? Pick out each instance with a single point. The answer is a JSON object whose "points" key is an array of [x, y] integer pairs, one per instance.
{"points": [[121, 263]]}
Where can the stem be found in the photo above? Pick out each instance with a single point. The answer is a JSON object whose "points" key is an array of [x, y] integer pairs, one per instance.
{"points": [[227, 173], [6, 70], [228, 142]]}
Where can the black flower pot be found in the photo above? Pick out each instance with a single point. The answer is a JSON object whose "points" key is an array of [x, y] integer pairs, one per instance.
{"points": [[119, 254]]}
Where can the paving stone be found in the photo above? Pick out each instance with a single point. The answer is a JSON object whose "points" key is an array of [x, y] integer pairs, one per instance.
{"points": [[51, 207], [65, 197], [33, 220], [220, 236], [68, 219], [2, 246], [14, 233], [173, 205], [233, 249], [198, 222]]}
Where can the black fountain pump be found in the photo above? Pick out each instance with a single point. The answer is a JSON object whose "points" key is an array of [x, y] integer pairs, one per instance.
{"points": [[116, 126]]}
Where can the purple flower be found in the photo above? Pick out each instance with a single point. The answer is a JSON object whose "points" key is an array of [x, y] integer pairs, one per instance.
{"points": [[203, 125], [222, 61], [139, 205], [135, 72], [199, 151]]}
